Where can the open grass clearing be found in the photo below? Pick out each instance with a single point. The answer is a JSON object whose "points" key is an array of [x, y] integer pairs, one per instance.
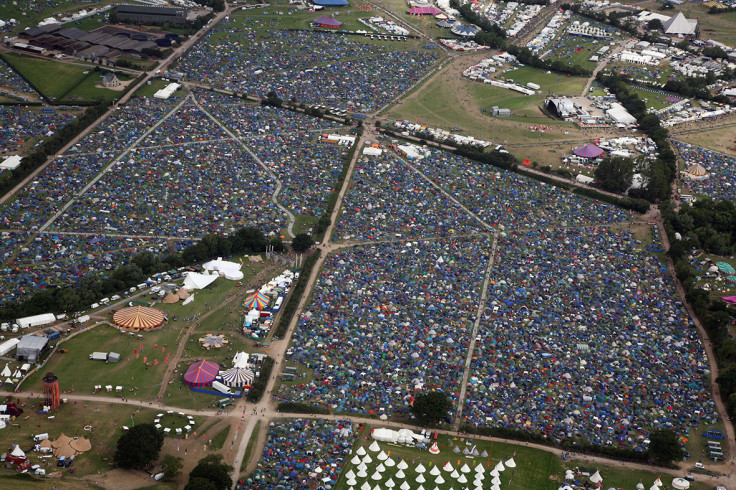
{"points": [[105, 419], [65, 76], [721, 139]]}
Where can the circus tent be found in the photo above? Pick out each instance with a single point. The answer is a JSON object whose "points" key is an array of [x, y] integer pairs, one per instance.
{"points": [[201, 374], [138, 318], [588, 151]]}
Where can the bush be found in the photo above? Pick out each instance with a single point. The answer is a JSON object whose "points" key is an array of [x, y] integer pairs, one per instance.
{"points": [[259, 386], [289, 309], [293, 407]]}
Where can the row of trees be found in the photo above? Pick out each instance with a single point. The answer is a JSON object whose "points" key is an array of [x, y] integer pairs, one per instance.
{"points": [[707, 225], [92, 287], [657, 174]]}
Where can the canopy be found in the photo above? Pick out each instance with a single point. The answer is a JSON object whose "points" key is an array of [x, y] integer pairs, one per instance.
{"points": [[213, 341], [730, 299], [725, 267], [139, 318], [81, 445], [231, 270], [237, 377], [588, 151], [330, 3], [329, 22], [424, 11], [697, 170], [195, 280], [62, 440], [201, 374], [256, 301]]}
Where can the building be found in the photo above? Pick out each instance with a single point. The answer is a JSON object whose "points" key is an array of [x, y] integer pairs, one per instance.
{"points": [[31, 347], [151, 15], [110, 81], [500, 112]]}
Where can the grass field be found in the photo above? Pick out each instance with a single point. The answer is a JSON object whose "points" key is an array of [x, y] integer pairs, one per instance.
{"points": [[251, 446], [106, 421], [70, 83], [30, 15], [65, 76], [218, 440], [77, 373], [720, 139]]}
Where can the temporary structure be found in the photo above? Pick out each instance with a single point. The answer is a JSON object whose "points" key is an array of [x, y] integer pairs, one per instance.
{"points": [[213, 341], [231, 270], [256, 301], [328, 22], [138, 318], [201, 374], [195, 280], [588, 151], [237, 377]]}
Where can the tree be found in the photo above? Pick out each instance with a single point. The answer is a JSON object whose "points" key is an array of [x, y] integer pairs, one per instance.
{"points": [[615, 173], [137, 447], [199, 483], [301, 243], [664, 447], [212, 469], [430, 408], [655, 25], [172, 466]]}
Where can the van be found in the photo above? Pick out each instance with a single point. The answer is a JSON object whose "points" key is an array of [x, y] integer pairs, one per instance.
{"points": [[142, 285], [132, 289], [4, 327], [699, 465], [95, 306], [40, 437], [114, 297], [155, 289], [105, 301]]}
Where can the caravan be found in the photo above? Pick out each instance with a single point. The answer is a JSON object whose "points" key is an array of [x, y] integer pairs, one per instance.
{"points": [[222, 388]]}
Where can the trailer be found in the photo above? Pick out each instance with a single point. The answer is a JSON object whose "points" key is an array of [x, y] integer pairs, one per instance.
{"points": [[98, 356], [222, 388]]}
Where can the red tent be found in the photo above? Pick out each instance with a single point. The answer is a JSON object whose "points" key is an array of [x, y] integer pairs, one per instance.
{"points": [[201, 374], [526, 162], [328, 22], [588, 151], [424, 11]]}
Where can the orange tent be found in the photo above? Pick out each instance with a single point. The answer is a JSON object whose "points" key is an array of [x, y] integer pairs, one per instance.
{"points": [[526, 162]]}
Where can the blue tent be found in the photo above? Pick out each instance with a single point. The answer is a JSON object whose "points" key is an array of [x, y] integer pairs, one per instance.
{"points": [[331, 3]]}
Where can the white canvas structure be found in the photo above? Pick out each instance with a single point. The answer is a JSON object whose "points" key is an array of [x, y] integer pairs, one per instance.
{"points": [[194, 280], [679, 25], [11, 163], [231, 270], [167, 92]]}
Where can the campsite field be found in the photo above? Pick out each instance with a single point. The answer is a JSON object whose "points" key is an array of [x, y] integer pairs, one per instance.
{"points": [[721, 139], [535, 468], [106, 421], [31, 15]]}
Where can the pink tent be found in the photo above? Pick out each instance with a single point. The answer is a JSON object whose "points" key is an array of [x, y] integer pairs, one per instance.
{"points": [[730, 299], [424, 11]]}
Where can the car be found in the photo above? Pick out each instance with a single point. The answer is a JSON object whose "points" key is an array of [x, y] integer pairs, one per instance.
{"points": [[699, 465]]}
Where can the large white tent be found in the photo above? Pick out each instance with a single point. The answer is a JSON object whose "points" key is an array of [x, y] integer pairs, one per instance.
{"points": [[231, 270], [194, 280]]}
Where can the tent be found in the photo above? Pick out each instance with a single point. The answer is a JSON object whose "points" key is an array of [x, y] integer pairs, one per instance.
{"points": [[201, 374], [330, 3], [679, 25], [730, 300], [170, 298], [328, 22], [725, 267], [697, 172], [138, 318], [195, 280], [424, 11], [213, 341], [588, 151], [237, 377], [526, 162], [62, 440], [464, 31], [81, 445], [231, 270], [256, 301]]}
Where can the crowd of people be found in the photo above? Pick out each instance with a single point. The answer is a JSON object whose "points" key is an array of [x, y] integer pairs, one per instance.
{"points": [[387, 319], [303, 454], [720, 183], [582, 337], [20, 125], [250, 55]]}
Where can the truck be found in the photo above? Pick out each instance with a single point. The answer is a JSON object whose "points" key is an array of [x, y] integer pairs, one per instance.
{"points": [[98, 356], [222, 388], [105, 301]]}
